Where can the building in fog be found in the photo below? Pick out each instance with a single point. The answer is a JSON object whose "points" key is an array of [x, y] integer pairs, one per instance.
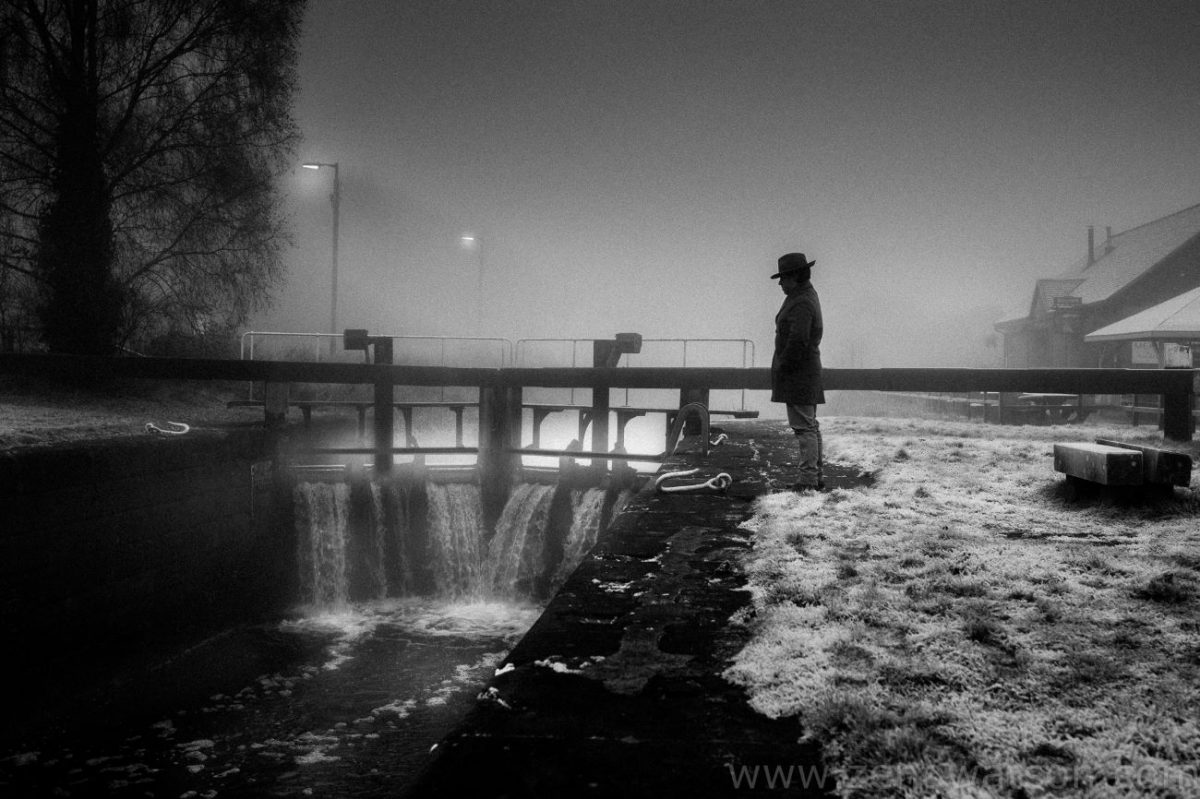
{"points": [[1128, 288]]}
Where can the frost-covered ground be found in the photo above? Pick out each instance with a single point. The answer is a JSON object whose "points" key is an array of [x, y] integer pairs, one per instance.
{"points": [[960, 629], [37, 413]]}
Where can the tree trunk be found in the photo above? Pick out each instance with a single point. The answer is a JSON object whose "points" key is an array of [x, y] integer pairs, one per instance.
{"points": [[82, 308]]}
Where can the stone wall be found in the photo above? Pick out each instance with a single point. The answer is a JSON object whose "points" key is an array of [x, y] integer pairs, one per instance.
{"points": [[131, 545]]}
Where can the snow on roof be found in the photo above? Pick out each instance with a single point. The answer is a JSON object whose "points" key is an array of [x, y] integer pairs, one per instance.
{"points": [[1133, 252], [1177, 318]]}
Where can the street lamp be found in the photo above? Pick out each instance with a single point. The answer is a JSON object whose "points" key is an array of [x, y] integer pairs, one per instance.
{"points": [[473, 242], [335, 200]]}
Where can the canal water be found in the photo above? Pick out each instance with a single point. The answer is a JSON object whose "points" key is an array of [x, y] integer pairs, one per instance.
{"points": [[344, 698]]}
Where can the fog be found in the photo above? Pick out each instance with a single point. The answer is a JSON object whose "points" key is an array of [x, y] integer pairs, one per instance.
{"points": [[639, 166]]}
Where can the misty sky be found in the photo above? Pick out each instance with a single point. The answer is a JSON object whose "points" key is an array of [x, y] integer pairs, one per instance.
{"points": [[639, 166]]}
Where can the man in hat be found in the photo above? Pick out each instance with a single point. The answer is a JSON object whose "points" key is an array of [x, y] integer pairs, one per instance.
{"points": [[796, 365]]}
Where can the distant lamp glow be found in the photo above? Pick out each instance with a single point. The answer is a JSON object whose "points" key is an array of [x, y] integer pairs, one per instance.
{"points": [[335, 200], [473, 242]]}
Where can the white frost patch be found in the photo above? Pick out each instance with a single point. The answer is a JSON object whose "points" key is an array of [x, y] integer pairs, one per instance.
{"points": [[315, 756], [611, 587], [22, 758], [556, 666], [399, 708]]}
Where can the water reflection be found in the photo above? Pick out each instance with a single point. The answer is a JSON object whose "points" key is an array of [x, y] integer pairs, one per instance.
{"points": [[355, 712]]}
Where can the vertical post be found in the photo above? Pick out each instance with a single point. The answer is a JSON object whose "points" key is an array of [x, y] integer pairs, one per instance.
{"points": [[275, 405], [1178, 422], [384, 414], [600, 408], [499, 436], [335, 200], [691, 426]]}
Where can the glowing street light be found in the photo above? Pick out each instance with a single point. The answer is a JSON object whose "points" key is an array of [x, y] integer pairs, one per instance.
{"points": [[335, 199], [473, 242]]}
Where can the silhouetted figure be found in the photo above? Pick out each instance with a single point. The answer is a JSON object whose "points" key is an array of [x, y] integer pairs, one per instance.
{"points": [[796, 365]]}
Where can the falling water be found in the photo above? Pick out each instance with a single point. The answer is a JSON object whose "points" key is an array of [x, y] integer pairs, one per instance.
{"points": [[363, 541], [515, 555], [389, 516], [322, 520], [585, 526], [455, 537]]}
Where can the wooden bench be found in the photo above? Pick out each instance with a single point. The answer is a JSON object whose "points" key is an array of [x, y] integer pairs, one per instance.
{"points": [[1115, 463], [1098, 463], [1159, 466]]}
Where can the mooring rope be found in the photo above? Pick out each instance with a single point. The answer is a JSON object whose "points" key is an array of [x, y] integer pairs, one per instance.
{"points": [[151, 427], [719, 483]]}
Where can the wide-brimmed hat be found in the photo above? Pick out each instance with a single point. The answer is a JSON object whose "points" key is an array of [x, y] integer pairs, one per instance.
{"points": [[792, 262]]}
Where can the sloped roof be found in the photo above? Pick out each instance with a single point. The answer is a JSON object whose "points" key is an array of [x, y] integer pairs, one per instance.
{"points": [[1133, 252], [1174, 320], [1119, 261], [1050, 289]]}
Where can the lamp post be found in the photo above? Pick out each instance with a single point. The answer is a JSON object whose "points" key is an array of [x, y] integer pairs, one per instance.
{"points": [[471, 241], [335, 200]]}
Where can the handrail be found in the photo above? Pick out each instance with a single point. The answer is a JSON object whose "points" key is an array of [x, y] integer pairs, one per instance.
{"points": [[747, 346], [506, 352], [942, 379], [1177, 386]]}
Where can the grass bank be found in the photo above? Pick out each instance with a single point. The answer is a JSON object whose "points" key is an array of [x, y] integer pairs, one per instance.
{"points": [[961, 629]]}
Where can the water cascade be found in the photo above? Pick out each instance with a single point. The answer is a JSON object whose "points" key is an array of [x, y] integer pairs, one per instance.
{"points": [[455, 538], [516, 554], [365, 540], [322, 515], [588, 507]]}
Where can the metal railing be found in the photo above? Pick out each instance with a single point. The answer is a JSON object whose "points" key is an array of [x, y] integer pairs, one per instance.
{"points": [[1177, 387], [321, 341], [630, 359], [501, 354]]}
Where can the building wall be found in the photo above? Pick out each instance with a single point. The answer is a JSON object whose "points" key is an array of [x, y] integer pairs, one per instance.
{"points": [[117, 546]]}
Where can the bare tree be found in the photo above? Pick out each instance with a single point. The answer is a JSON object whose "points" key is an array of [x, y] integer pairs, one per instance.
{"points": [[140, 141]]}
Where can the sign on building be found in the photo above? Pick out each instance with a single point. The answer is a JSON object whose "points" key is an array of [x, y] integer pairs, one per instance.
{"points": [[1177, 356], [1143, 353]]}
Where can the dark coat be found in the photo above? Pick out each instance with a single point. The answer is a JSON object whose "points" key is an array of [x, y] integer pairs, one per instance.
{"points": [[796, 366]]}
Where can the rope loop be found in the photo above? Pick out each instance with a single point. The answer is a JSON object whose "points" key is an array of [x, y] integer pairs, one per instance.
{"points": [[719, 483], [179, 429]]}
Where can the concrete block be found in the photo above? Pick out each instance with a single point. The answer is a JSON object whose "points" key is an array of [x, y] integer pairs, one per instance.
{"points": [[1097, 463], [1159, 466]]}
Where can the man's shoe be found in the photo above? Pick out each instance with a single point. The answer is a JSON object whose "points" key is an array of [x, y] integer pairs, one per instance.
{"points": [[806, 488]]}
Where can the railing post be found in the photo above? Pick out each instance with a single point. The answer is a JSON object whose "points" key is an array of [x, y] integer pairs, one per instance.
{"points": [[688, 396], [499, 440], [600, 408], [385, 421], [275, 404], [1178, 422]]}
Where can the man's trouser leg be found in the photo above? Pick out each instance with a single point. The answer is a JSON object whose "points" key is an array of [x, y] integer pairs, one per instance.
{"points": [[803, 420]]}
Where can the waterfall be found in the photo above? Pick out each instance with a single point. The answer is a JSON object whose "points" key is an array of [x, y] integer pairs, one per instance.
{"points": [[389, 525], [367, 540], [514, 556], [588, 510], [322, 521], [455, 538]]}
